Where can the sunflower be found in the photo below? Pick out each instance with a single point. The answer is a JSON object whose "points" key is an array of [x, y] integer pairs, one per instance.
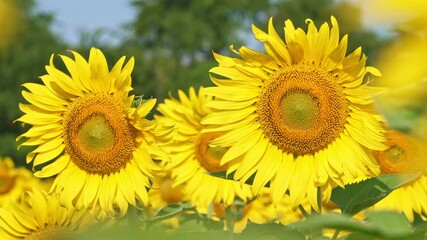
{"points": [[14, 181], [259, 210], [299, 116], [191, 155], [39, 216], [405, 155], [163, 193], [87, 132]]}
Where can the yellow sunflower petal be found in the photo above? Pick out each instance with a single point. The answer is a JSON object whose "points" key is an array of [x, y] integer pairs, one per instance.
{"points": [[69, 194], [45, 157], [273, 44], [251, 158], [126, 189], [54, 168], [8, 220], [99, 70]]}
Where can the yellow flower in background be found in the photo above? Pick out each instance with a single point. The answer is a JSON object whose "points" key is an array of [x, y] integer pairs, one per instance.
{"points": [[257, 211], [192, 157], [40, 216], [286, 215], [163, 193], [409, 199], [11, 23], [405, 155], [408, 16], [404, 68], [402, 62], [14, 181], [261, 210], [86, 131], [298, 116]]}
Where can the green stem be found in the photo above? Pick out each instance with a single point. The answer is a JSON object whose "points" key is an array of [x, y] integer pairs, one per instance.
{"points": [[335, 236], [229, 219], [303, 211], [319, 199], [132, 217]]}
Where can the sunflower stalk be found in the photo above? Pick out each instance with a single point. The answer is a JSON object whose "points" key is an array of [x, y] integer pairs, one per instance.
{"points": [[232, 214], [229, 219], [319, 199], [336, 233], [317, 232], [132, 217]]}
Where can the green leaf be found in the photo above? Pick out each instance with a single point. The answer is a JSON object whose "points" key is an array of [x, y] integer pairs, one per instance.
{"points": [[171, 210], [358, 196], [332, 221], [269, 231], [421, 228], [321, 238], [168, 212], [208, 235], [390, 224], [378, 225], [358, 236]]}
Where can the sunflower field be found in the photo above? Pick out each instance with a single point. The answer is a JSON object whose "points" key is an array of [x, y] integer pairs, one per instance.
{"points": [[217, 120]]}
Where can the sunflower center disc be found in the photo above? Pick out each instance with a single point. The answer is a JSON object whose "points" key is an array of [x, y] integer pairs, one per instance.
{"points": [[393, 160], [98, 137], [49, 233], [402, 155], [299, 110], [302, 109], [209, 157], [96, 134], [395, 155]]}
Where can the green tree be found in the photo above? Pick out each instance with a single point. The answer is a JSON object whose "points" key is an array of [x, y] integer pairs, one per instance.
{"points": [[174, 40], [23, 62]]}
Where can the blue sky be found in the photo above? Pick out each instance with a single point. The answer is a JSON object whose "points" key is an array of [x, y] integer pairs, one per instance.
{"points": [[73, 16]]}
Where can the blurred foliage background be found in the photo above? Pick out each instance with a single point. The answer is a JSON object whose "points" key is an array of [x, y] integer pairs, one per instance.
{"points": [[172, 42]]}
